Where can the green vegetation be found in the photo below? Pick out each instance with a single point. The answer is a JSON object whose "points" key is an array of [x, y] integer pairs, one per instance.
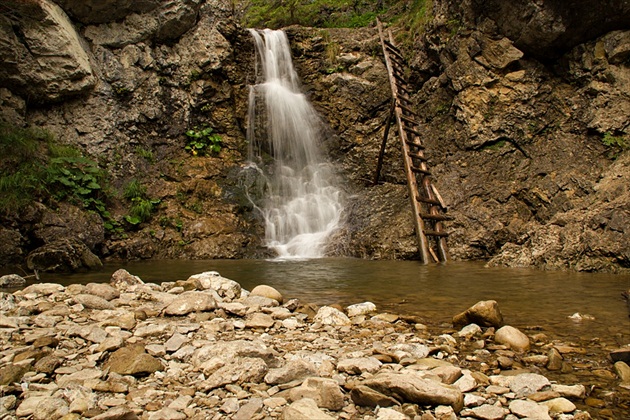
{"points": [[145, 153], [142, 207], [35, 168], [617, 144], [316, 13], [202, 142]]}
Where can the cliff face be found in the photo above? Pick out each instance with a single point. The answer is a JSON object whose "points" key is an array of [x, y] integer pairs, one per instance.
{"points": [[514, 122]]}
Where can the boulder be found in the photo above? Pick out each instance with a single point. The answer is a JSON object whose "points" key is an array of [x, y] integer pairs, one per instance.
{"points": [[268, 292], [408, 387], [484, 313], [42, 55], [513, 338], [62, 256], [360, 309], [226, 288]]}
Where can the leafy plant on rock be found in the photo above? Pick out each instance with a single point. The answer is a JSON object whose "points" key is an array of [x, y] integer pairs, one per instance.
{"points": [[142, 207], [202, 142]]}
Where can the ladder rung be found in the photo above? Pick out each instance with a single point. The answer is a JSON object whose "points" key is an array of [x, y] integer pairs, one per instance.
{"points": [[438, 217], [412, 131], [403, 98], [408, 110], [428, 201], [420, 171], [409, 120], [435, 233], [418, 156], [401, 79], [410, 143], [394, 49]]}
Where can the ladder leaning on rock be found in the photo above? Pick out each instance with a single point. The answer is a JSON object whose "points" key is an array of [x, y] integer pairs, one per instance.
{"points": [[427, 205]]}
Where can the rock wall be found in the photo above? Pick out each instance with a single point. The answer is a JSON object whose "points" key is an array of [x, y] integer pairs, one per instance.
{"points": [[513, 119], [514, 134]]}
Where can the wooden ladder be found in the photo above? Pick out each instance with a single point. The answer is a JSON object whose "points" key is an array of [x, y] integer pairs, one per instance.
{"points": [[426, 203]]}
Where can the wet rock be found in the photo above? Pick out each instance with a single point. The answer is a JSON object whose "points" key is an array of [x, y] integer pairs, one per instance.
{"points": [[189, 302], [529, 409], [12, 280], [226, 288], [328, 315], [484, 313], [621, 355], [411, 388], [469, 331], [555, 360], [623, 371], [268, 292], [512, 337], [63, 256], [133, 360], [325, 392], [570, 391], [360, 309], [304, 409], [559, 405]]}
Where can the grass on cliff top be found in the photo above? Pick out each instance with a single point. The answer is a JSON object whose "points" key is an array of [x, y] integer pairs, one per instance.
{"points": [[331, 13]]}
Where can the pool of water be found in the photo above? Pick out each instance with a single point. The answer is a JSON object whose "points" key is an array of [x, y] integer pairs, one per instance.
{"points": [[526, 297]]}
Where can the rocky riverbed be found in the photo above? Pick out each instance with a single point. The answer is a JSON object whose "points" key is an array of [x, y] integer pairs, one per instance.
{"points": [[205, 348]]}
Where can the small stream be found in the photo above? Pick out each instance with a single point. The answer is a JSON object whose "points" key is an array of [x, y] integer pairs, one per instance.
{"points": [[527, 297]]}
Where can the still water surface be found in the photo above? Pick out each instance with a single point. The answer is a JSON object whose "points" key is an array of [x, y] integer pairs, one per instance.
{"points": [[434, 292]]}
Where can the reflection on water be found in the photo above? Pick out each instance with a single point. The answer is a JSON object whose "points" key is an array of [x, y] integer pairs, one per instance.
{"points": [[434, 292]]}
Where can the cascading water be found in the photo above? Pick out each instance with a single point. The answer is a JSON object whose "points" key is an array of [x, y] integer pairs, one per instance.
{"points": [[302, 205]]}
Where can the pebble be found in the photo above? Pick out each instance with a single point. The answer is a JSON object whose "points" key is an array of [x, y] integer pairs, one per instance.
{"points": [[206, 348]]}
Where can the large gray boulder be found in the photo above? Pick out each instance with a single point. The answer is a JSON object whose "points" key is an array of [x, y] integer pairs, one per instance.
{"points": [[42, 55]]}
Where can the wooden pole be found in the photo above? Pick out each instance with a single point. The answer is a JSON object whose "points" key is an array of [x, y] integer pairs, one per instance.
{"points": [[381, 155]]}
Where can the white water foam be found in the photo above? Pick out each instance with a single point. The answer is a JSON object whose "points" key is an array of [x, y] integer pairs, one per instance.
{"points": [[303, 205]]}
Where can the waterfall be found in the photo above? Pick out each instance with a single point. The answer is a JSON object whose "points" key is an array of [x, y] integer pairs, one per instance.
{"points": [[302, 204]]}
